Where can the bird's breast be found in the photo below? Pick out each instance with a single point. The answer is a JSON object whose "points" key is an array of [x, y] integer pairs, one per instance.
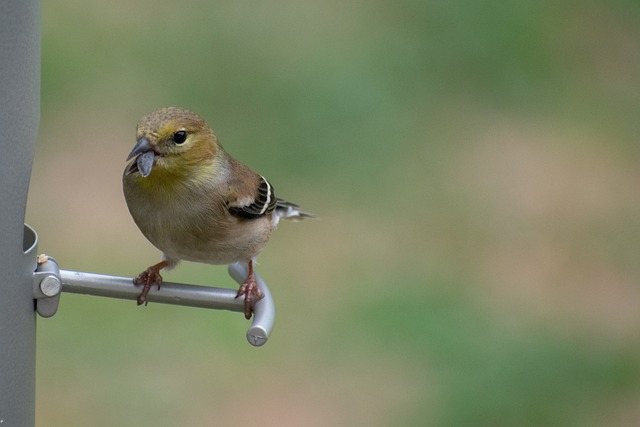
{"points": [[196, 226]]}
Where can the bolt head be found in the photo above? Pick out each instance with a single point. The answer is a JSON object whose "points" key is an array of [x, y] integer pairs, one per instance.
{"points": [[50, 286]]}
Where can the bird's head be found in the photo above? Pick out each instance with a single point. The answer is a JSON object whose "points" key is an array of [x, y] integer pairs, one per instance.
{"points": [[172, 143]]}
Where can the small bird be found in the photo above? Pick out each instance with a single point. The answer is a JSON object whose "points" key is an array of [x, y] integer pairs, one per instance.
{"points": [[195, 202]]}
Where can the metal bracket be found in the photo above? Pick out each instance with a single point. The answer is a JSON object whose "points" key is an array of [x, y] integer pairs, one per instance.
{"points": [[47, 286], [49, 282]]}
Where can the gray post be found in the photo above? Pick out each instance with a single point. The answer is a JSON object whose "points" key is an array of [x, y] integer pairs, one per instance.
{"points": [[19, 117]]}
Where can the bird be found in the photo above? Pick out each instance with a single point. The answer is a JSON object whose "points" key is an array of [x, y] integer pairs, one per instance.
{"points": [[195, 202]]}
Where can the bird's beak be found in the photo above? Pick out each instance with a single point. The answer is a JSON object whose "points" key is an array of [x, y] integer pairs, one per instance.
{"points": [[142, 146], [146, 156]]}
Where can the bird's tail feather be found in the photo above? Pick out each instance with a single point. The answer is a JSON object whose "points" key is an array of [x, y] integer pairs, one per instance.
{"points": [[288, 210]]}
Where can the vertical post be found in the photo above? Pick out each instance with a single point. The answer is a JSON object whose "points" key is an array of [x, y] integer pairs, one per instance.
{"points": [[19, 118]]}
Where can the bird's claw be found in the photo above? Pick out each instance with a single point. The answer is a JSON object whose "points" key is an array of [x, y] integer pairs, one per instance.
{"points": [[252, 294], [146, 279]]}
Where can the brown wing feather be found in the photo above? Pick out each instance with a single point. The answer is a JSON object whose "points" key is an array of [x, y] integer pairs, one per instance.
{"points": [[263, 204]]}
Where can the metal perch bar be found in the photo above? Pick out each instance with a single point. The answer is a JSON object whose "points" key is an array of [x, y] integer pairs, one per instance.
{"points": [[171, 293], [180, 294]]}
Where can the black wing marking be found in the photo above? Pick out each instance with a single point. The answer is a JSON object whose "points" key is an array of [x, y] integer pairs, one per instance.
{"points": [[264, 203]]}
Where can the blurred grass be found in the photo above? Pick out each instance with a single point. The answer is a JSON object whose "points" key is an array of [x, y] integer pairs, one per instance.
{"points": [[475, 168]]}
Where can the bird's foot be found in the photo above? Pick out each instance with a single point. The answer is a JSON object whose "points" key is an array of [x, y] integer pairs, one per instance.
{"points": [[252, 294], [148, 278]]}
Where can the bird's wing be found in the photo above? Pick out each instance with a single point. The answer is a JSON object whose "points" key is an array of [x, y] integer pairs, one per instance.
{"points": [[260, 200]]}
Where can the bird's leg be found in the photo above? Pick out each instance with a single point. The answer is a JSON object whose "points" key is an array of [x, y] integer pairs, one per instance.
{"points": [[251, 292], [147, 278]]}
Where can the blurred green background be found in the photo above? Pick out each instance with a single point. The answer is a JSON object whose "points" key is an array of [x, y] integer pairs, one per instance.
{"points": [[475, 166]]}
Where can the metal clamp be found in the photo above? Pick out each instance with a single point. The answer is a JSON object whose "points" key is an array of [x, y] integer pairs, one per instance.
{"points": [[47, 275], [47, 286]]}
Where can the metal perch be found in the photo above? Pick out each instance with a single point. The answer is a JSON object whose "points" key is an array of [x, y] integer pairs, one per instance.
{"points": [[49, 281]]}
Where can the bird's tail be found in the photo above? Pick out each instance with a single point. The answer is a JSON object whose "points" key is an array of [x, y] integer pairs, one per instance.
{"points": [[288, 210]]}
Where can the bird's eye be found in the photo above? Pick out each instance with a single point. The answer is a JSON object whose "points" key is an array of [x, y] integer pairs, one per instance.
{"points": [[180, 137]]}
